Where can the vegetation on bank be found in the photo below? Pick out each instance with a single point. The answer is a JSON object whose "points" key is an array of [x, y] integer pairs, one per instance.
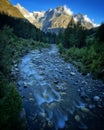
{"points": [[24, 29], [12, 47], [84, 48]]}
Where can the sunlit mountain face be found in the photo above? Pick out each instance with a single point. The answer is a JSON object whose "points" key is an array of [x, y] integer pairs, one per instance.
{"points": [[53, 20]]}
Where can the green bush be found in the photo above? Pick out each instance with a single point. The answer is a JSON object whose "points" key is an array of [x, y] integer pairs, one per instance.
{"points": [[10, 104], [11, 48], [87, 59]]}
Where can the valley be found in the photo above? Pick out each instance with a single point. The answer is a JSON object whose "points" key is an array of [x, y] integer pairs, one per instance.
{"points": [[51, 68]]}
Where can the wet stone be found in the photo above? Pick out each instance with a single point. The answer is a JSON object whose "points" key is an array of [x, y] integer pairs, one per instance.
{"points": [[41, 73], [91, 106], [84, 82], [31, 99], [96, 98], [72, 73], [56, 81], [84, 109], [25, 85], [83, 95], [77, 118]]}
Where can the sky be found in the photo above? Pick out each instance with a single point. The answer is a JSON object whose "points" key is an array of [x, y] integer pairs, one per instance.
{"points": [[94, 9]]}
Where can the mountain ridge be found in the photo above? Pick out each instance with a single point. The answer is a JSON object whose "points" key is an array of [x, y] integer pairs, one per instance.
{"points": [[7, 8], [53, 20]]}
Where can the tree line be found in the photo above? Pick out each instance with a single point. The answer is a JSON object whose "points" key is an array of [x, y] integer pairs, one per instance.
{"points": [[23, 28], [84, 48]]}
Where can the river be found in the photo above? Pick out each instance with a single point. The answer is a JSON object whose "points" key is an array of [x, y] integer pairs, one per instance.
{"points": [[56, 96]]}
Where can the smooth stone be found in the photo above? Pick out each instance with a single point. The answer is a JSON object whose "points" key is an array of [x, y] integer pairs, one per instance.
{"points": [[96, 98], [77, 118], [72, 73], [84, 82], [84, 109], [68, 66], [30, 94], [63, 93], [43, 114], [41, 73], [83, 94], [31, 99], [55, 81], [50, 123], [16, 69], [25, 85], [91, 106]]}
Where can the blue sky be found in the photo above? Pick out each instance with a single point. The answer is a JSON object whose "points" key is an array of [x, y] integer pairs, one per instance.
{"points": [[94, 9]]}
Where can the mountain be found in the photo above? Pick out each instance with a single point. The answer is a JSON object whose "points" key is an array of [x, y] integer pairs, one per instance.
{"points": [[84, 20], [56, 19], [53, 20], [29, 16], [8, 8]]}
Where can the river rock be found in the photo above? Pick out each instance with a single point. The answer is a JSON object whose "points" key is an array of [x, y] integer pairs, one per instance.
{"points": [[84, 82], [56, 81], [77, 118], [96, 98], [72, 73], [43, 114], [50, 123], [91, 106], [83, 94], [41, 73], [31, 99], [84, 109], [25, 85]]}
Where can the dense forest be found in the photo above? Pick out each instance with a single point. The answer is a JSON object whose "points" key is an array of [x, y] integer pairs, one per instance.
{"points": [[23, 28], [84, 48]]}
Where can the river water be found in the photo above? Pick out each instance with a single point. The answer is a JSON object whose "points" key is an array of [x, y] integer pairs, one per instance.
{"points": [[56, 96]]}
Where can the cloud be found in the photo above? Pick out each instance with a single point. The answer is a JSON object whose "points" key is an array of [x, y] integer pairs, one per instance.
{"points": [[67, 10]]}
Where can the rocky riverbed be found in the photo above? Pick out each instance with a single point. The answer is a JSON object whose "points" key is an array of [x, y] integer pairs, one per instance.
{"points": [[56, 96]]}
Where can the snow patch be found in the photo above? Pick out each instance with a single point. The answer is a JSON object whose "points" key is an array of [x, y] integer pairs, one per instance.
{"points": [[87, 19], [67, 10]]}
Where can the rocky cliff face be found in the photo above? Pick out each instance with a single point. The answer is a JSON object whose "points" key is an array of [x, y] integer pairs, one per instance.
{"points": [[55, 19], [29, 16]]}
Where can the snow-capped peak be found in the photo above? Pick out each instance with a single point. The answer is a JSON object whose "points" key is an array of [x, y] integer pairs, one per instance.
{"points": [[67, 10], [87, 19], [84, 19]]}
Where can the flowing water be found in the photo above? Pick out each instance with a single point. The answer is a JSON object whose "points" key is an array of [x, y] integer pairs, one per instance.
{"points": [[53, 90]]}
